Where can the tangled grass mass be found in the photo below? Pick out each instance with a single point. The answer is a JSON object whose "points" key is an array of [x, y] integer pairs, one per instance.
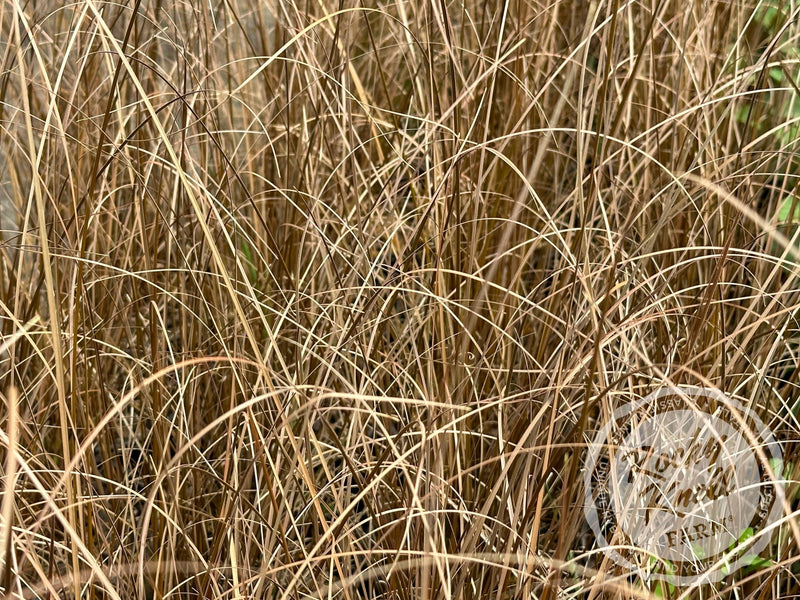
{"points": [[325, 299]]}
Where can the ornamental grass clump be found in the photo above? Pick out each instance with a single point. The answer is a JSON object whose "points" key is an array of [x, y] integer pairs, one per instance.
{"points": [[328, 299]]}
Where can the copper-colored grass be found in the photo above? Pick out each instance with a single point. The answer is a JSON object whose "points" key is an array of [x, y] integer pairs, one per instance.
{"points": [[326, 299]]}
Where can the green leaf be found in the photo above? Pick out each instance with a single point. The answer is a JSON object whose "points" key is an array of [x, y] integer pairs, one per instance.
{"points": [[658, 590], [668, 568], [742, 113], [769, 17], [698, 551], [248, 255], [746, 535], [755, 562], [785, 213]]}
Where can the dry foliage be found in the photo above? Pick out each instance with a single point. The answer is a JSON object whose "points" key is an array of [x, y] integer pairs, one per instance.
{"points": [[323, 299]]}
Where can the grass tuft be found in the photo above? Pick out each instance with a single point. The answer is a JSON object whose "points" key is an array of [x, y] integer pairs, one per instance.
{"points": [[326, 299]]}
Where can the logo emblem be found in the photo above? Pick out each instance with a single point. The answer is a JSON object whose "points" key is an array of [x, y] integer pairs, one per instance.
{"points": [[683, 485]]}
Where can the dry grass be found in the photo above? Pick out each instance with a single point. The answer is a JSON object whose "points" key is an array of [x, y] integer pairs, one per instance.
{"points": [[323, 299]]}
